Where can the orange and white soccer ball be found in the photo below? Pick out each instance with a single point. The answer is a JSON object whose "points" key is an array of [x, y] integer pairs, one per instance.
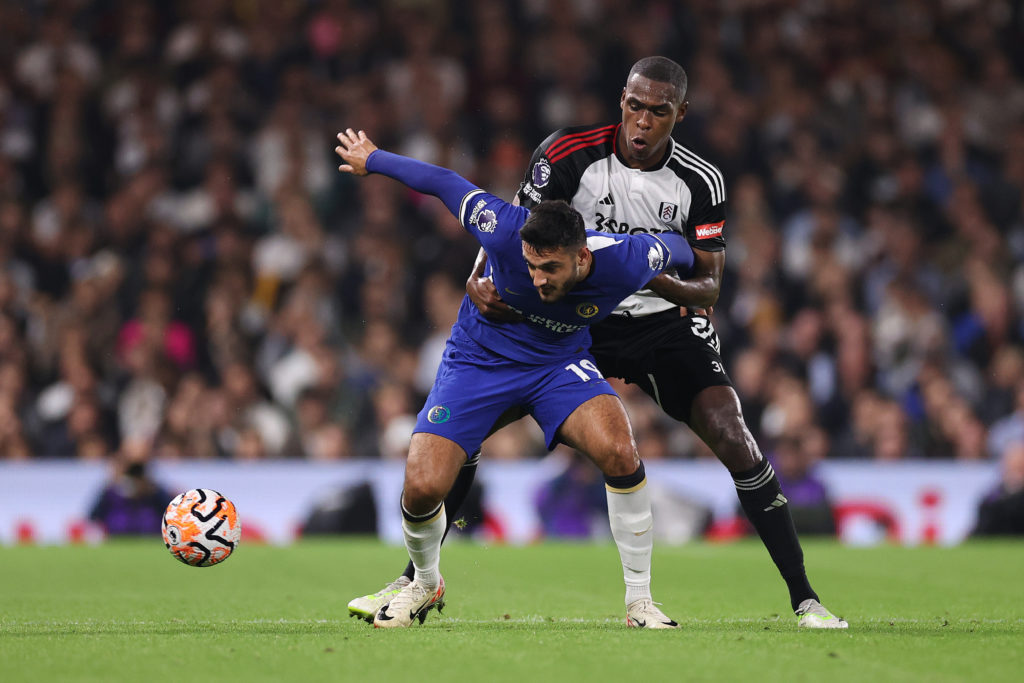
{"points": [[201, 527]]}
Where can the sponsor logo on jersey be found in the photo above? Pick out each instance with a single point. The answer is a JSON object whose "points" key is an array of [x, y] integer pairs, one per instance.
{"points": [[541, 173], [667, 211], [556, 326], [586, 310], [709, 230], [607, 200], [531, 192], [484, 219], [439, 415], [605, 224], [656, 258]]}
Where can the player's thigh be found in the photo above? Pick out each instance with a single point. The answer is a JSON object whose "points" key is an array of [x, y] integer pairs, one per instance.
{"points": [[573, 403], [600, 429], [681, 363]]}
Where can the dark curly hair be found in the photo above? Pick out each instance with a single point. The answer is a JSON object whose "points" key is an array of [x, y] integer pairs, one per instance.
{"points": [[553, 224]]}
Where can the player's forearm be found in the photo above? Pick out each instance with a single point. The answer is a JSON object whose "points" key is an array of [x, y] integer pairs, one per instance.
{"points": [[695, 292], [446, 185], [479, 265]]}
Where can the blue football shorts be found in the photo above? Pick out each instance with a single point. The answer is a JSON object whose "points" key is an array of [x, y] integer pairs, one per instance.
{"points": [[474, 386]]}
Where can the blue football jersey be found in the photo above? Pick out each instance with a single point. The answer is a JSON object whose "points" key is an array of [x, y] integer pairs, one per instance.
{"points": [[622, 265]]}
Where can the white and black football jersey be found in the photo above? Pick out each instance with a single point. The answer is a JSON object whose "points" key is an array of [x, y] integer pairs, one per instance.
{"points": [[683, 193]]}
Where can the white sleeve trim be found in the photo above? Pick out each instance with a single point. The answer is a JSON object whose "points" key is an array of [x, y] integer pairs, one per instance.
{"points": [[465, 203], [668, 258]]}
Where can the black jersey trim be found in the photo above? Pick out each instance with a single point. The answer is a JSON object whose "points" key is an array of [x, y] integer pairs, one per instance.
{"points": [[711, 175]]}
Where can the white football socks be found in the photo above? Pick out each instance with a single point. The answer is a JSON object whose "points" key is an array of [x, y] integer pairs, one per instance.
{"points": [[423, 541], [629, 514]]}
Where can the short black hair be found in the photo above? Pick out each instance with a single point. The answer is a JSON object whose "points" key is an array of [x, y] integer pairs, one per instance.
{"points": [[663, 70], [553, 224]]}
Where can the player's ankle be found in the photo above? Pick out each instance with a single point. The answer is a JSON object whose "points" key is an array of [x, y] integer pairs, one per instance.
{"points": [[636, 592], [428, 578]]}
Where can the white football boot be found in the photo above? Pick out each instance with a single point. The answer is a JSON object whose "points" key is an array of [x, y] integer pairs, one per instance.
{"points": [[367, 606], [644, 613], [412, 602], [814, 615]]}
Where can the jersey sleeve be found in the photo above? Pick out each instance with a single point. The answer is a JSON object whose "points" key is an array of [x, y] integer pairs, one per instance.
{"points": [[547, 180], [445, 184], [638, 259], [492, 221], [705, 226], [486, 217], [679, 252]]}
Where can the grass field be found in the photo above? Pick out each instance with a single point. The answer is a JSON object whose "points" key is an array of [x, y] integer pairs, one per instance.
{"points": [[553, 612]]}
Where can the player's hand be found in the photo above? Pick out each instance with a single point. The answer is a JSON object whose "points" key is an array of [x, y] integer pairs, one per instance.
{"points": [[354, 149], [484, 295]]}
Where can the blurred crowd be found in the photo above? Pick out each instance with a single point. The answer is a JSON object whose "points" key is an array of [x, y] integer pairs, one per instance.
{"points": [[184, 274]]}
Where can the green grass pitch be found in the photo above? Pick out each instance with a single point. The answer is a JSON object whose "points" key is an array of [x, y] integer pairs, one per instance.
{"points": [[127, 611]]}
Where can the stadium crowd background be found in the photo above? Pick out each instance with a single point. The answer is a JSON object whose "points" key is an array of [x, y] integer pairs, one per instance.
{"points": [[184, 274]]}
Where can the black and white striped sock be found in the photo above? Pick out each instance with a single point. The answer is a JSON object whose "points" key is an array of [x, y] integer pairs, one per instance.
{"points": [[768, 510]]}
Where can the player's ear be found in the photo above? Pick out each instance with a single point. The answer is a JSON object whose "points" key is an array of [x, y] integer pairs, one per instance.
{"points": [[622, 100], [682, 111], [583, 256]]}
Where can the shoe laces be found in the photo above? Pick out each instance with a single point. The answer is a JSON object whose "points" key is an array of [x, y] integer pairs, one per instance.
{"points": [[413, 592], [398, 584], [813, 607], [646, 605]]}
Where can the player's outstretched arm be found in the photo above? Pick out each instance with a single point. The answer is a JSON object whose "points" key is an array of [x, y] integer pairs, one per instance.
{"points": [[361, 157]]}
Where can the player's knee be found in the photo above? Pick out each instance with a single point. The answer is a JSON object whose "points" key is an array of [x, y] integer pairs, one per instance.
{"points": [[621, 459], [421, 496], [732, 442]]}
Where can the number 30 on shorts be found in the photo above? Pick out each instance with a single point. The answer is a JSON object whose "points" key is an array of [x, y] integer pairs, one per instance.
{"points": [[582, 368]]}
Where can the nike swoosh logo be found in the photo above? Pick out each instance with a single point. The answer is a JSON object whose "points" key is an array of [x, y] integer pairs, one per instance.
{"points": [[512, 293], [641, 533], [383, 615], [639, 624]]}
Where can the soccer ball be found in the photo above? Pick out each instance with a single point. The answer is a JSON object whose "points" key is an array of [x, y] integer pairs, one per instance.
{"points": [[201, 527]]}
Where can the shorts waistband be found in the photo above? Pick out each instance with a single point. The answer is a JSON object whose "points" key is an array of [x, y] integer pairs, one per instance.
{"points": [[668, 313]]}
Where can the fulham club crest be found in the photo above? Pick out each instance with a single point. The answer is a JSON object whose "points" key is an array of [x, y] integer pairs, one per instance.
{"points": [[667, 212]]}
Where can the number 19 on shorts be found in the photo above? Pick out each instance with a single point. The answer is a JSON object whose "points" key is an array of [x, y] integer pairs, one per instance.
{"points": [[582, 369]]}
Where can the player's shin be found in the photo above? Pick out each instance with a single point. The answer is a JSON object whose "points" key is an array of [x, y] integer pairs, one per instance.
{"points": [[453, 502], [423, 535], [629, 514], [768, 511]]}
